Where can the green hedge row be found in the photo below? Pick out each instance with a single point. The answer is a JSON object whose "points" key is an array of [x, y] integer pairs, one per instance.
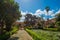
{"points": [[33, 34], [51, 29]]}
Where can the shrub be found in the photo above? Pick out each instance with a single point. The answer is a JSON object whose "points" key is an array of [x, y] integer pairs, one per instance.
{"points": [[6, 35], [13, 30], [51, 25], [58, 24], [51, 29], [58, 28]]}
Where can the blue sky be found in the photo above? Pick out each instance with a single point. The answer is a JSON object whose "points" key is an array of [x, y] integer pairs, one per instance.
{"points": [[35, 5]]}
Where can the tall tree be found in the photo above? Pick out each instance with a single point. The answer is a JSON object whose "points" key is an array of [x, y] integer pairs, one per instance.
{"points": [[9, 13], [28, 19], [57, 17], [32, 20], [47, 10]]}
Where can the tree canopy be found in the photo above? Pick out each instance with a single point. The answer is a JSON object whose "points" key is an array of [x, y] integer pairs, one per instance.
{"points": [[9, 13]]}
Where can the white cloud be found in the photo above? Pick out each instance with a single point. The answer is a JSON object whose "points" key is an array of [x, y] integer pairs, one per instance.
{"points": [[22, 19], [23, 16], [23, 13], [44, 13], [55, 13], [58, 11], [39, 13], [51, 12]]}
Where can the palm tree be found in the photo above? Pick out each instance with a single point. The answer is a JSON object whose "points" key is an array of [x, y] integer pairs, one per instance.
{"points": [[47, 10]]}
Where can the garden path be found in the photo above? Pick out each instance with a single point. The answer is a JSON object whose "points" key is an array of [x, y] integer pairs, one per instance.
{"points": [[21, 35]]}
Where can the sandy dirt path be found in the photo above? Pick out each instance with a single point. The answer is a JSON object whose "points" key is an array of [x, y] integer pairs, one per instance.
{"points": [[21, 35]]}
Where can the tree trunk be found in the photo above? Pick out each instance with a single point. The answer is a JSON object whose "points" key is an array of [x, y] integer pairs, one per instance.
{"points": [[1, 28], [8, 27]]}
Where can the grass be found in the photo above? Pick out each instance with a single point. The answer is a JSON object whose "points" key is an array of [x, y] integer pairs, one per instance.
{"points": [[35, 36], [13, 30], [45, 35]]}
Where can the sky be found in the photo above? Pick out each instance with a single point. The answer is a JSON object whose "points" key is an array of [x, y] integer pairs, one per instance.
{"points": [[37, 7]]}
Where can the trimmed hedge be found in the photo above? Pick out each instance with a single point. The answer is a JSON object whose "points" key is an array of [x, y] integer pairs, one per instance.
{"points": [[51, 29], [35, 36]]}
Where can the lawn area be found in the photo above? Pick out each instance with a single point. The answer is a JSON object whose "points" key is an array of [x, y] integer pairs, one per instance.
{"points": [[44, 34]]}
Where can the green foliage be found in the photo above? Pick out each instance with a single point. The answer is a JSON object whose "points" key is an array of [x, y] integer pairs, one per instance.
{"points": [[44, 35], [51, 29], [32, 20], [58, 25], [57, 17], [13, 30], [51, 25], [9, 13], [6, 35], [35, 36], [47, 35], [47, 8]]}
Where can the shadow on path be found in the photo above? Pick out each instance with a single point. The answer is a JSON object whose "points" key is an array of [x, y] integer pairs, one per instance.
{"points": [[21, 35], [14, 38]]}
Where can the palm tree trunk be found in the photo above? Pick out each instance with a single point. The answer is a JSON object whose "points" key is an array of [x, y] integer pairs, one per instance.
{"points": [[47, 21]]}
